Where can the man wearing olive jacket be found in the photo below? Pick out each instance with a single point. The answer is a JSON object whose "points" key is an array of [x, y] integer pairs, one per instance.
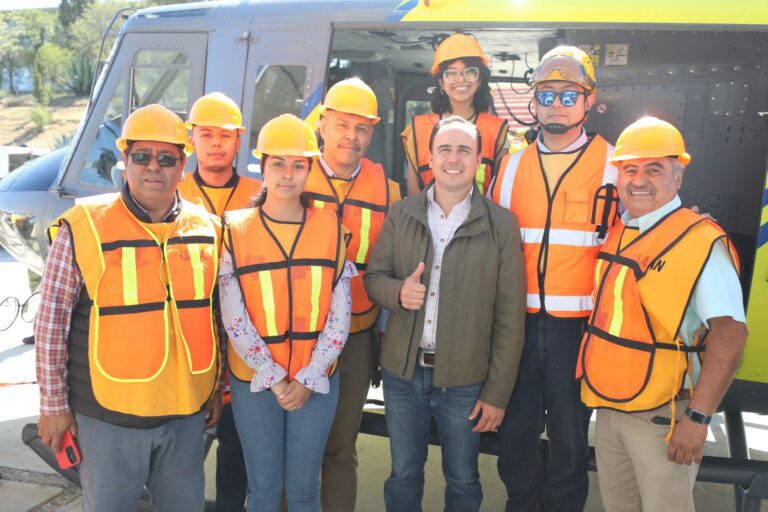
{"points": [[455, 332]]}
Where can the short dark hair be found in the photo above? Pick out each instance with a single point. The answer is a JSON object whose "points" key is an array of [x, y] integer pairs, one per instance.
{"points": [[450, 122], [482, 101]]}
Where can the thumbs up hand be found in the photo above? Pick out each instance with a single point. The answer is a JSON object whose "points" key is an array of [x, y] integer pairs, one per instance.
{"points": [[412, 292]]}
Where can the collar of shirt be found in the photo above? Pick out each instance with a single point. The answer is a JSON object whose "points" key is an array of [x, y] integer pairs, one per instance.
{"points": [[142, 214], [645, 222], [461, 208], [231, 182], [331, 174], [578, 143]]}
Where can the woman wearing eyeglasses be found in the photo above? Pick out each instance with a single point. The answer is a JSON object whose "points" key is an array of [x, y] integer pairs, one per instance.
{"points": [[285, 303], [461, 74]]}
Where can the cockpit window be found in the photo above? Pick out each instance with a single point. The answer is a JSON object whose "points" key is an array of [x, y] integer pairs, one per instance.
{"points": [[156, 77]]}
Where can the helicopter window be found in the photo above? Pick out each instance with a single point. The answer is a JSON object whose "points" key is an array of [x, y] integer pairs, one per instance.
{"points": [[161, 77], [278, 90], [157, 77]]}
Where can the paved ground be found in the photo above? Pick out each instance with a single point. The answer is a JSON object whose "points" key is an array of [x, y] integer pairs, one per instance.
{"points": [[28, 484]]}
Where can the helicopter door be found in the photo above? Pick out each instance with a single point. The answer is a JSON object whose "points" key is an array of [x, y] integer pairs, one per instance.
{"points": [[145, 68], [285, 73]]}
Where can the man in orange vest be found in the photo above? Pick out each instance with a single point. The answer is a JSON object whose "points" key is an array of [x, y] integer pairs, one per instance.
{"points": [[341, 179], [667, 288], [127, 356], [562, 190], [216, 125]]}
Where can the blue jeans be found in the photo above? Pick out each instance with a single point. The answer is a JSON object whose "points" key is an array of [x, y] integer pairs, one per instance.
{"points": [[282, 449], [231, 480], [119, 461], [546, 393], [409, 408]]}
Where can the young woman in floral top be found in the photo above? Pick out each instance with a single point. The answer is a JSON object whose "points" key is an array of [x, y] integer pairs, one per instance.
{"points": [[285, 303]]}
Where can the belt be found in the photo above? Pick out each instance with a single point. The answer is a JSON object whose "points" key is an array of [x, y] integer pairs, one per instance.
{"points": [[426, 358]]}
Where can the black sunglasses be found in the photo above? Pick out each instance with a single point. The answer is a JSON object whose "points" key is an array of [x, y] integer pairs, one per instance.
{"points": [[163, 160], [567, 98]]}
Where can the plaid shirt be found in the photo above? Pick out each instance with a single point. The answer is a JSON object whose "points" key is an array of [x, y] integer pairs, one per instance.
{"points": [[60, 291], [442, 227]]}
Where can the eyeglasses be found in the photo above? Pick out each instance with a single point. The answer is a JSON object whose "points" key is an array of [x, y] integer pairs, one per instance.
{"points": [[567, 98], [163, 160], [452, 75]]}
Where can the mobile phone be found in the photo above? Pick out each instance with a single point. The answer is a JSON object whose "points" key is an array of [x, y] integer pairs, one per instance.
{"points": [[69, 454]]}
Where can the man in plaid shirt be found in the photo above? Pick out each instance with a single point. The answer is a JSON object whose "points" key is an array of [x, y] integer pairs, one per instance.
{"points": [[126, 339]]}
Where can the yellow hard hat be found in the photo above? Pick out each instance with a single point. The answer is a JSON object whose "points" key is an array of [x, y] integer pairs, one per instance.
{"points": [[154, 122], [568, 64], [352, 96], [457, 46], [286, 135], [216, 109], [650, 137]]}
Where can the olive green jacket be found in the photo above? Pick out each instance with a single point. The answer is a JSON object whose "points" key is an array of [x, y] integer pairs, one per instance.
{"points": [[481, 313]]}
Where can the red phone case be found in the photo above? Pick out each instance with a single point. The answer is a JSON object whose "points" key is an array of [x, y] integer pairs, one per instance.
{"points": [[69, 454]]}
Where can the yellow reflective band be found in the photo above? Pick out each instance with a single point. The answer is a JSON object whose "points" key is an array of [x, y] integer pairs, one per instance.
{"points": [[317, 281], [130, 284], [618, 304], [198, 272], [268, 301], [319, 204], [365, 230], [598, 268], [480, 178], [764, 216]]}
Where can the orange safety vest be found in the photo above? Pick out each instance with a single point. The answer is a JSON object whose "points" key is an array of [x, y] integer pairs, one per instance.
{"points": [[137, 367], [362, 212], [492, 128], [241, 196], [561, 229], [632, 357], [287, 296]]}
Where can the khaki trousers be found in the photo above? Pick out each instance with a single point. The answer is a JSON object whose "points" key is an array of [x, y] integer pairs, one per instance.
{"points": [[338, 487], [632, 466]]}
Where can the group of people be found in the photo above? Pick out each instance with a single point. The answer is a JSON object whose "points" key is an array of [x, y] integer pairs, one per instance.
{"points": [[509, 291]]}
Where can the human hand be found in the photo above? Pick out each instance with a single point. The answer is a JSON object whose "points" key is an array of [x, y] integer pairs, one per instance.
{"points": [[279, 388], [687, 442], [213, 409], [295, 396], [490, 416], [412, 292], [51, 428]]}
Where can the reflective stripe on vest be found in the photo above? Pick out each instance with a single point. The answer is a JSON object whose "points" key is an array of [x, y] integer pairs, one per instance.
{"points": [[491, 129], [632, 357], [140, 324], [362, 212], [287, 295], [561, 234]]}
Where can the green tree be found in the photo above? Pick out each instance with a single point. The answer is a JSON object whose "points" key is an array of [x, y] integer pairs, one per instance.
{"points": [[71, 10], [50, 69]]}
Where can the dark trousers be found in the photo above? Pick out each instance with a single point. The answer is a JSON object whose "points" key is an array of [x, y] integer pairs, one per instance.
{"points": [[546, 395], [231, 477]]}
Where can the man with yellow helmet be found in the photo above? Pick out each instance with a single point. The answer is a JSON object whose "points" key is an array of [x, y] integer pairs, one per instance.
{"points": [[357, 189], [562, 190], [126, 339], [666, 288], [216, 124]]}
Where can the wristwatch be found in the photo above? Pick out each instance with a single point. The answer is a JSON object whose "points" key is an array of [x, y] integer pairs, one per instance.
{"points": [[697, 416]]}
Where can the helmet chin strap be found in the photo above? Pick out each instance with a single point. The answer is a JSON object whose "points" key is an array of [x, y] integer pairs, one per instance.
{"points": [[560, 128]]}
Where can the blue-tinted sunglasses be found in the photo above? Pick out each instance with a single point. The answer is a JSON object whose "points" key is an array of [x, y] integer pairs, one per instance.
{"points": [[567, 98]]}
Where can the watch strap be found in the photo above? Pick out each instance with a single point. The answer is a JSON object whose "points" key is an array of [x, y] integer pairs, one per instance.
{"points": [[697, 416]]}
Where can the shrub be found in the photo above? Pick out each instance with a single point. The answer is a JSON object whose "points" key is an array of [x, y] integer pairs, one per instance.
{"points": [[80, 76], [40, 116]]}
